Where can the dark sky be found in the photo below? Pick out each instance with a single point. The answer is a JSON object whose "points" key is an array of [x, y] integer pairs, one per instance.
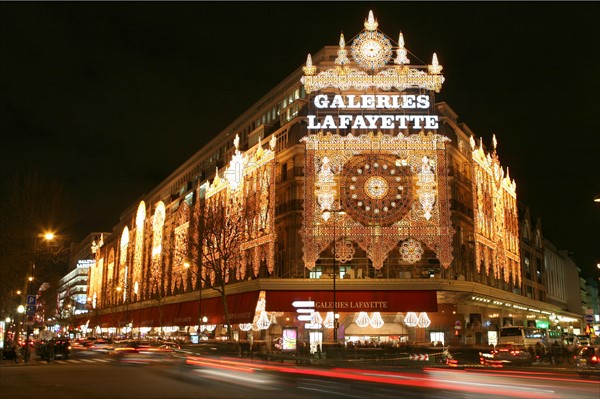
{"points": [[111, 97]]}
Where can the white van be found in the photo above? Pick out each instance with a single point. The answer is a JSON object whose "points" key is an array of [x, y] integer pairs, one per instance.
{"points": [[523, 336]]}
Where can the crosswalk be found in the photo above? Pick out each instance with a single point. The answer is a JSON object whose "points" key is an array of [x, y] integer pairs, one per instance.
{"points": [[80, 361]]}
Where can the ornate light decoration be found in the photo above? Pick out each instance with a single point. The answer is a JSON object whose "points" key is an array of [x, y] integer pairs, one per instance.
{"points": [[264, 322], [326, 193], [249, 185], [123, 267], [372, 51], [110, 275], [389, 189], [309, 69], [156, 277], [376, 320], [316, 322], [435, 68], [362, 320], [235, 172], [182, 223], [423, 320], [245, 326], [411, 251], [342, 58], [495, 216], [426, 190], [402, 58], [411, 319], [139, 243], [344, 251], [328, 322]]}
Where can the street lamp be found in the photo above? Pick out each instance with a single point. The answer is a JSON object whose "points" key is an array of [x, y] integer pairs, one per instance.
{"points": [[326, 216], [48, 236]]}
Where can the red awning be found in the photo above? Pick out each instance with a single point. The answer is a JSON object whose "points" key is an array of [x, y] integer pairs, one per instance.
{"points": [[241, 308], [356, 301]]}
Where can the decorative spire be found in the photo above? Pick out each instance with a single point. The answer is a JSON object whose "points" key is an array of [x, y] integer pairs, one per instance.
{"points": [[435, 68], [402, 58], [272, 142], [342, 57], [494, 141], [371, 23], [236, 141], [309, 69]]}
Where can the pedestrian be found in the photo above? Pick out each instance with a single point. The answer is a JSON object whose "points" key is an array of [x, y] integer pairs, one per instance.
{"points": [[539, 352], [50, 353], [556, 351], [318, 351]]}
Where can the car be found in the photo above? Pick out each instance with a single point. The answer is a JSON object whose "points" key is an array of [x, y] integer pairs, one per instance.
{"points": [[505, 354], [101, 345], [583, 340], [142, 352], [587, 361], [62, 348]]}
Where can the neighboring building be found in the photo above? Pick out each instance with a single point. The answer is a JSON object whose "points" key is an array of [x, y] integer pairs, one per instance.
{"points": [[532, 256], [593, 302], [357, 191], [72, 291], [556, 272]]}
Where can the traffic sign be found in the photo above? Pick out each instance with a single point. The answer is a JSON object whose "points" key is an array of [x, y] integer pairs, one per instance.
{"points": [[303, 304], [589, 318], [31, 300], [30, 310]]}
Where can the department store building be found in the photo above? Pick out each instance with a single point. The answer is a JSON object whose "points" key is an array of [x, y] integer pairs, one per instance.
{"points": [[347, 187]]}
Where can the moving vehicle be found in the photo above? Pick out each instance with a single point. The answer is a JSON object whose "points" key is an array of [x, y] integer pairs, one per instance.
{"points": [[142, 352], [587, 361], [523, 336], [507, 354]]}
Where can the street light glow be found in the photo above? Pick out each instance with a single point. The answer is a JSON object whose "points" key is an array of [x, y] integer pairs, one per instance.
{"points": [[49, 236]]}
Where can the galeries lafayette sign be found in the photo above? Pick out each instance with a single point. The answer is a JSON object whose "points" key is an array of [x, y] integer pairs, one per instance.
{"points": [[355, 301], [347, 117]]}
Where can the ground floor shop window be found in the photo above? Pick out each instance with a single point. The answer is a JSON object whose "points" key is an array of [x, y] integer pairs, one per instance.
{"points": [[436, 337]]}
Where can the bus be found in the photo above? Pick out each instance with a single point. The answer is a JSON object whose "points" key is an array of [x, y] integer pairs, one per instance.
{"points": [[523, 336]]}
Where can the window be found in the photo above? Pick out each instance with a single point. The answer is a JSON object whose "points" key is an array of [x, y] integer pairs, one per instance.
{"points": [[315, 273], [284, 172], [529, 292]]}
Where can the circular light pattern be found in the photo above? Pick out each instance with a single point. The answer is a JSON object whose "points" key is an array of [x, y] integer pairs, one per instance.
{"points": [[376, 187], [411, 251], [375, 190], [371, 49]]}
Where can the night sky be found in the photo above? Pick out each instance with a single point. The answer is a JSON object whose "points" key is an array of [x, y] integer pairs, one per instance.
{"points": [[110, 98]]}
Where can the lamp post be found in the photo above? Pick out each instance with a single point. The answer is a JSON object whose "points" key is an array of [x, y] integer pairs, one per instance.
{"points": [[326, 216], [31, 306]]}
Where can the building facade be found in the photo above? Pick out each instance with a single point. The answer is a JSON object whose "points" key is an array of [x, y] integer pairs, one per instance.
{"points": [[348, 187]]}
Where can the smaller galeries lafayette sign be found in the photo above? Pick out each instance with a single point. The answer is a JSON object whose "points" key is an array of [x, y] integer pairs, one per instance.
{"points": [[377, 102]]}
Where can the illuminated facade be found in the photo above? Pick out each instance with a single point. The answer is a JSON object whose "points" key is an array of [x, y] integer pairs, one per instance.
{"points": [[347, 175]]}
